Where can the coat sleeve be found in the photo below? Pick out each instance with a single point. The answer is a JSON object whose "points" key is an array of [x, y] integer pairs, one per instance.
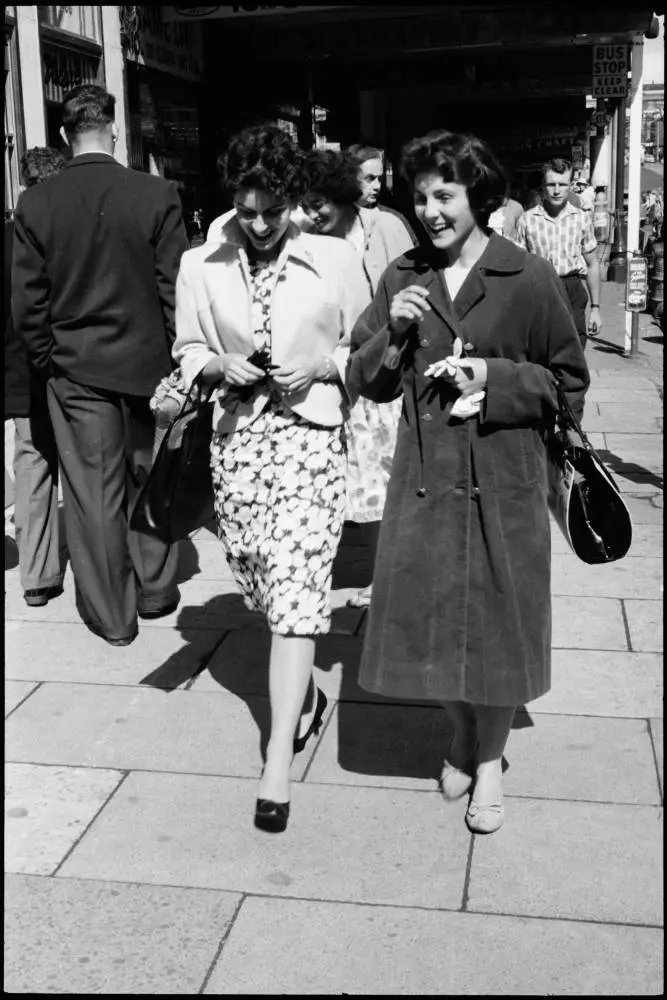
{"points": [[398, 239], [191, 349], [170, 241], [520, 393], [31, 290], [375, 368]]}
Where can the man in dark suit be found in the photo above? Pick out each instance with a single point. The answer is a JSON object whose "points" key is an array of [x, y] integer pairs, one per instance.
{"points": [[95, 264]]}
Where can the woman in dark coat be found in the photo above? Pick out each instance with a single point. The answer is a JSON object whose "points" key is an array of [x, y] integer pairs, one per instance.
{"points": [[475, 333]]}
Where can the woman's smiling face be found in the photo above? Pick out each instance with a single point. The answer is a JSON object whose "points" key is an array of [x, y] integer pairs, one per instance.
{"points": [[322, 212], [444, 211], [263, 217]]}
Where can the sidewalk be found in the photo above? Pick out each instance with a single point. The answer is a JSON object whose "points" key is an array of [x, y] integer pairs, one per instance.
{"points": [[133, 864]]}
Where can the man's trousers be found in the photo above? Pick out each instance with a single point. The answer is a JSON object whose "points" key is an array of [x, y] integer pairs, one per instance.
{"points": [[578, 298], [36, 502], [105, 446]]}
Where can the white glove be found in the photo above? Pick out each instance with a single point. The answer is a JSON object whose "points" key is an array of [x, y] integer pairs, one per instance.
{"points": [[466, 405]]}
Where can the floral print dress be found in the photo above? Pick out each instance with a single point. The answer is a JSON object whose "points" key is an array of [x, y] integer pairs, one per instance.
{"points": [[280, 493]]}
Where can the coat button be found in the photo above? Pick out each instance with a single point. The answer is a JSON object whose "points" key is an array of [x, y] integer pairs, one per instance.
{"points": [[424, 342], [427, 416], [469, 347]]}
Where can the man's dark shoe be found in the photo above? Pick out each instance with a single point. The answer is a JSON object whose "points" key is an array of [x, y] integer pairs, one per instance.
{"points": [[38, 598], [160, 612]]}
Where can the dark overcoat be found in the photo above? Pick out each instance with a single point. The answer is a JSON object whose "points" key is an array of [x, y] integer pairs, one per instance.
{"points": [[461, 606]]}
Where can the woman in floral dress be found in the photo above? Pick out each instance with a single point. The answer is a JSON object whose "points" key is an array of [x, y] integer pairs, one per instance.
{"points": [[264, 316], [330, 204]]}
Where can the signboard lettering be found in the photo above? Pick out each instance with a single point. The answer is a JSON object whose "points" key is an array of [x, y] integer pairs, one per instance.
{"points": [[237, 10], [636, 290], [610, 70]]}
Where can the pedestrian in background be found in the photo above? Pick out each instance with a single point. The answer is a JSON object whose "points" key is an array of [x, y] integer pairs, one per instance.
{"points": [[475, 333], [563, 234], [96, 254], [371, 175], [35, 454], [331, 205], [266, 318]]}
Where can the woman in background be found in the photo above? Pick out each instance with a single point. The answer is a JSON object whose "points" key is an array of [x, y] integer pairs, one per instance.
{"points": [[330, 204]]}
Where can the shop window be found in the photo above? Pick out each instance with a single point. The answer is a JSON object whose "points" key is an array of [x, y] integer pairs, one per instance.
{"points": [[83, 21], [14, 144]]}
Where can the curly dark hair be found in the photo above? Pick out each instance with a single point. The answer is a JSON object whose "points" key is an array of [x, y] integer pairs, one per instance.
{"points": [[461, 159], [87, 108], [40, 163], [264, 157], [332, 175]]}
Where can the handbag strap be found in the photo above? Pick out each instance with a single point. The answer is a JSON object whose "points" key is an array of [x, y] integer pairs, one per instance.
{"points": [[566, 419]]}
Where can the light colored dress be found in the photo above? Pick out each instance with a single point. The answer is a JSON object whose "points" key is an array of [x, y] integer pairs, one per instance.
{"points": [[371, 427], [280, 500]]}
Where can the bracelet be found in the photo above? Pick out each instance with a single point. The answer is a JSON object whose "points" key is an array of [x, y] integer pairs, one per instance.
{"points": [[595, 305], [328, 376]]}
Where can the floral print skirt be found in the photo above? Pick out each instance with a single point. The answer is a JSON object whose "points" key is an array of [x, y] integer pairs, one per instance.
{"points": [[280, 501], [371, 431]]}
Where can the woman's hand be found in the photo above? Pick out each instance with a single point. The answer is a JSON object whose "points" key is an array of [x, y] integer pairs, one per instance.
{"points": [[408, 306], [467, 374], [298, 374], [232, 368]]}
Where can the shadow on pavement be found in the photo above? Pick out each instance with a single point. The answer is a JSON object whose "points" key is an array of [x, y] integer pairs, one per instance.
{"points": [[630, 470], [11, 553]]}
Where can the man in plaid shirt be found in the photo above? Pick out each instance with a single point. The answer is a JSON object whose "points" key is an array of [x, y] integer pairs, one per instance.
{"points": [[564, 235]]}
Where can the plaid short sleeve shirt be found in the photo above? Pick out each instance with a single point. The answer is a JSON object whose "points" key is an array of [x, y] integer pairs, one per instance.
{"points": [[563, 240]]}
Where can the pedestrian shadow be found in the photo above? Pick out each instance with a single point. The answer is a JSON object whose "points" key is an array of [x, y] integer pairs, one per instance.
{"points": [[630, 470], [188, 561], [607, 347]]}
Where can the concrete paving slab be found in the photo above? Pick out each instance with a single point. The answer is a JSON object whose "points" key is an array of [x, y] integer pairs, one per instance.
{"points": [[581, 758], [593, 623], [198, 831], [645, 398], [561, 757], [657, 737], [623, 418], [645, 621], [647, 539], [276, 948], [65, 936], [576, 860], [642, 452], [625, 578], [204, 558], [604, 683], [15, 693], [129, 728], [46, 811], [646, 509], [163, 658]]}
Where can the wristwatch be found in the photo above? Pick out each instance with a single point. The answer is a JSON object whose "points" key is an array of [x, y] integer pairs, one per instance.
{"points": [[595, 305]]}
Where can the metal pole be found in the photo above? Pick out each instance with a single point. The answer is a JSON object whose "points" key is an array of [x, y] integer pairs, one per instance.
{"points": [[634, 334], [617, 259], [634, 178]]}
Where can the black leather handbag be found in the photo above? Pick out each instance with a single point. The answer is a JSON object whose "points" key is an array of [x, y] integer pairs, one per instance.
{"points": [[583, 498], [177, 497]]}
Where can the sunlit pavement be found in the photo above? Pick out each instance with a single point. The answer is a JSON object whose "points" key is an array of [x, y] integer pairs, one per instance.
{"points": [[132, 863]]}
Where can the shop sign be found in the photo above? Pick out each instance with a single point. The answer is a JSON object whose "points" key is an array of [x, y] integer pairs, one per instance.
{"points": [[238, 10], [577, 156], [170, 48], [610, 70], [636, 289]]}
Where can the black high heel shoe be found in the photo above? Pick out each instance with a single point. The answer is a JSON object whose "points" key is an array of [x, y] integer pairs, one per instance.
{"points": [[271, 816], [315, 725]]}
